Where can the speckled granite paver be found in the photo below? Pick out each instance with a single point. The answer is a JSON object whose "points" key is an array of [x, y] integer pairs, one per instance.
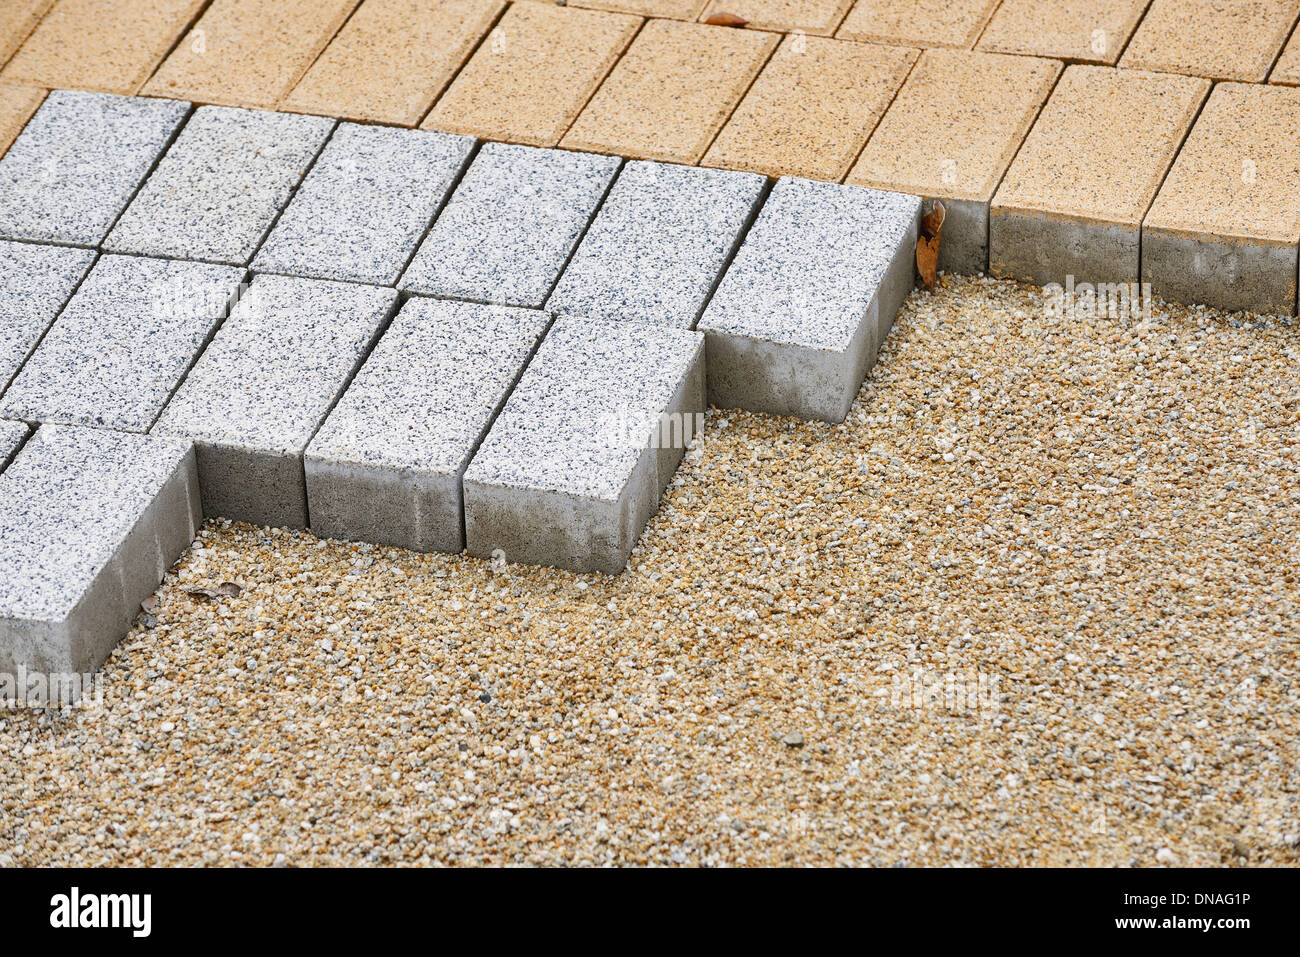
{"points": [[17, 104], [90, 521], [671, 92], [387, 464], [816, 17], [12, 437], [533, 73], [35, 283], [672, 9], [971, 110], [812, 108], [362, 210], [659, 244], [249, 52], [574, 465], [1287, 69], [392, 59], [918, 23], [1066, 210], [18, 18], [217, 191], [511, 225], [78, 163], [1085, 31], [107, 45], [799, 316], [116, 353], [1238, 40], [1224, 228], [260, 391]]}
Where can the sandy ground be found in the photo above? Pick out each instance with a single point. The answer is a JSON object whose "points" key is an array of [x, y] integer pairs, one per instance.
{"points": [[1035, 602]]}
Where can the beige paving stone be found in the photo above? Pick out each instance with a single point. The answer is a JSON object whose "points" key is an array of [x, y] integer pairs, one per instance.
{"points": [[1073, 199], [1287, 69], [17, 104], [249, 53], [951, 133], [1085, 31], [812, 108], [533, 74], [392, 59], [107, 46], [672, 9], [1232, 40], [18, 18], [1225, 226], [671, 92], [815, 17], [918, 23]]}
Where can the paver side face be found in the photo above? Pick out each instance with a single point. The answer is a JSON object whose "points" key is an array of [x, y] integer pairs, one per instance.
{"points": [[673, 9], [216, 193], [361, 211], [1132, 123], [1287, 69], [811, 109], [956, 124], [533, 73], [17, 104], [817, 17], [1238, 174], [121, 345], [1223, 41], [1087, 31], [249, 52], [671, 92], [18, 18], [78, 163], [107, 45], [35, 283], [392, 59], [919, 23]]}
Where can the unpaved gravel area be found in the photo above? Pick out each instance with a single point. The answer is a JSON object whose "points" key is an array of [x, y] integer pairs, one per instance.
{"points": [[1035, 602]]}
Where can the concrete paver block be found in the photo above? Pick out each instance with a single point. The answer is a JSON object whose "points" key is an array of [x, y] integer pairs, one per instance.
{"points": [[658, 245], [797, 321], [387, 464], [918, 23], [116, 353], [511, 225], [261, 389], [17, 104], [392, 59], [361, 212], [815, 17], [971, 110], [1064, 210], [79, 162], [574, 465], [1225, 226], [35, 284], [671, 92], [533, 74], [670, 9], [1082, 31], [218, 190], [812, 108], [1222, 41], [12, 437], [18, 18], [90, 521], [1287, 68]]}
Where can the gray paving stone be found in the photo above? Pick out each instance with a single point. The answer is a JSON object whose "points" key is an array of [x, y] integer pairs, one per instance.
{"points": [[362, 210], [122, 344], [79, 161], [261, 389], [511, 225], [90, 521], [659, 244], [798, 319], [35, 283], [217, 191], [574, 465], [386, 466], [12, 437]]}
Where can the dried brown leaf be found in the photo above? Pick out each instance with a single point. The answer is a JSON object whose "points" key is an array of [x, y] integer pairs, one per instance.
{"points": [[932, 222], [927, 260], [224, 590], [724, 19]]}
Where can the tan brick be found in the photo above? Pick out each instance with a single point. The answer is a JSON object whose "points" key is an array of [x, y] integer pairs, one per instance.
{"points": [[672, 9], [1236, 40], [1287, 69], [392, 59], [816, 17], [1086, 31], [18, 18], [534, 73], [671, 92], [249, 52], [17, 104], [919, 23], [111, 46], [812, 108]]}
